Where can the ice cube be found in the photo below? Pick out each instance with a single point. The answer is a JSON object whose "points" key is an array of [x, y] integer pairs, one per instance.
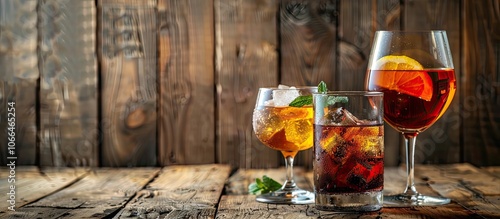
{"points": [[340, 117], [285, 96], [269, 102], [300, 132], [340, 153], [356, 181], [296, 113], [266, 123], [376, 177]]}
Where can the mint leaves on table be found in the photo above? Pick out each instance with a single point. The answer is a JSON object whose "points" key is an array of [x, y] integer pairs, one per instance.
{"points": [[264, 185]]}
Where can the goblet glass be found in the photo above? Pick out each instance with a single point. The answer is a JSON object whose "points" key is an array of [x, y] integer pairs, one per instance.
{"points": [[415, 71], [287, 129]]}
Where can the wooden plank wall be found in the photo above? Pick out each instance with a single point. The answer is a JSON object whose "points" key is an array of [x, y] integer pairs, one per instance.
{"points": [[186, 82], [18, 80], [175, 81], [439, 144], [480, 100], [128, 55], [68, 83], [246, 58]]}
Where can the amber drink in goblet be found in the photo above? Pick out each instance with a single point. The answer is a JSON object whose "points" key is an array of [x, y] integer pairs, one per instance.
{"points": [[287, 129], [415, 71]]}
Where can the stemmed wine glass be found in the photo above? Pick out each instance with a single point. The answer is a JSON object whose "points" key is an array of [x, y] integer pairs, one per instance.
{"points": [[415, 71], [287, 129]]}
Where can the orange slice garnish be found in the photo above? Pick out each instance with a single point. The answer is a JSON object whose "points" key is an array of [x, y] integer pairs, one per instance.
{"points": [[413, 82]]}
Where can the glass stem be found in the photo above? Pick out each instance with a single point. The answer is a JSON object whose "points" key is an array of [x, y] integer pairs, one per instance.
{"points": [[289, 183], [410, 140]]}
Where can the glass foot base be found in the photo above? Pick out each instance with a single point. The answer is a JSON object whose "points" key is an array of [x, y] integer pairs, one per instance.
{"points": [[402, 200], [349, 202], [296, 196]]}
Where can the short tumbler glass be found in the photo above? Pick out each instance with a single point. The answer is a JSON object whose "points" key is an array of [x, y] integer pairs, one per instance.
{"points": [[348, 150]]}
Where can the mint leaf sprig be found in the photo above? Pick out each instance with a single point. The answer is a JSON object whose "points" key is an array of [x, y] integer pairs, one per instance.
{"points": [[322, 87], [332, 100], [263, 186], [301, 101]]}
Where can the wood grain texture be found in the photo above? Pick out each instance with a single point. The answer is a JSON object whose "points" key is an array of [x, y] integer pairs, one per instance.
{"points": [[31, 183], [470, 189], [27, 213], [237, 203], [441, 142], [245, 59], [101, 193], [493, 170], [18, 79], [199, 65], [308, 42], [309, 46], [466, 185], [128, 54], [430, 180], [355, 41], [180, 192], [245, 206], [186, 79], [68, 81], [209, 191], [358, 21], [481, 83]]}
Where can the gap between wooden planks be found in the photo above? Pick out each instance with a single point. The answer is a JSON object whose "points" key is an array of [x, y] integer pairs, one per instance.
{"points": [[180, 192], [32, 183], [174, 191], [194, 191], [473, 193]]}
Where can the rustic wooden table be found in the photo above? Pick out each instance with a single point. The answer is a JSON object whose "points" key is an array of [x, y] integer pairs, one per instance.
{"points": [[215, 191]]}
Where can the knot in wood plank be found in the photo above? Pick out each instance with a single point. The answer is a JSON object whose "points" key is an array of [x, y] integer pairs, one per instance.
{"points": [[136, 118]]}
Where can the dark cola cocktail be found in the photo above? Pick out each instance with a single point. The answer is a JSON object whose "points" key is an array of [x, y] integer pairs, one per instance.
{"points": [[349, 151], [350, 159]]}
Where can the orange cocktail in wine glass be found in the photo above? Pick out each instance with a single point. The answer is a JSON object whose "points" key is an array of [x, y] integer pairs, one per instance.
{"points": [[415, 71]]}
